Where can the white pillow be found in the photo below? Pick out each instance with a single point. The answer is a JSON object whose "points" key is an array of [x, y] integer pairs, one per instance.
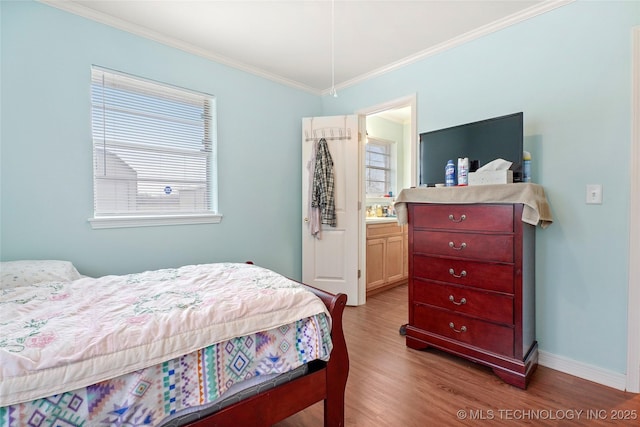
{"points": [[29, 272]]}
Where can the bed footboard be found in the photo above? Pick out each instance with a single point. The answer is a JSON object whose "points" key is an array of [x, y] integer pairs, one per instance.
{"points": [[338, 365], [325, 382]]}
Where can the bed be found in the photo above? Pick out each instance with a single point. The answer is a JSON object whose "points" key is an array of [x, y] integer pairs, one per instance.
{"points": [[201, 345]]}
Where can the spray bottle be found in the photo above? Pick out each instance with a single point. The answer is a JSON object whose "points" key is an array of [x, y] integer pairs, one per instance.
{"points": [[450, 174], [463, 171]]}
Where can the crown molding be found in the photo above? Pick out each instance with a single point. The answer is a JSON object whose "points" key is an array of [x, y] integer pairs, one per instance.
{"points": [[498, 25], [85, 12]]}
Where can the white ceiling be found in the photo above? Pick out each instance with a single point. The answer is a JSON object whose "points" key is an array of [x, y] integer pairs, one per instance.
{"points": [[290, 41]]}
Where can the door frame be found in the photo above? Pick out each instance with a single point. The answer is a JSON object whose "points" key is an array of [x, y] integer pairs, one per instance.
{"points": [[633, 301], [406, 101]]}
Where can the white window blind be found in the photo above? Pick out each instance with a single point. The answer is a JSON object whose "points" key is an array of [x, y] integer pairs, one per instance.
{"points": [[377, 167], [153, 148]]}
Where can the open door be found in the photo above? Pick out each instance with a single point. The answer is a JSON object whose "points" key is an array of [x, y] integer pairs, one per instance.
{"points": [[332, 261]]}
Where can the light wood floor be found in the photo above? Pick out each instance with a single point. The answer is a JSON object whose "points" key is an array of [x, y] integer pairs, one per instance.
{"points": [[392, 385]]}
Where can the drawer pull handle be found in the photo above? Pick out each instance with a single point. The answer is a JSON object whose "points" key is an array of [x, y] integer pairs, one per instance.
{"points": [[462, 329], [453, 218], [457, 248], [463, 301], [452, 272]]}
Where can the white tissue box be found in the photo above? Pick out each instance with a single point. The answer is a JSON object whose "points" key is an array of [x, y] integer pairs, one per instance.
{"points": [[491, 177]]}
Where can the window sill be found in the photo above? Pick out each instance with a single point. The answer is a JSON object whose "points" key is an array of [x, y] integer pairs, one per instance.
{"points": [[152, 221]]}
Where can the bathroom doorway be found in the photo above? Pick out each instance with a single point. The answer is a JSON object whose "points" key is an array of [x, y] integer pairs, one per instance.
{"points": [[390, 165]]}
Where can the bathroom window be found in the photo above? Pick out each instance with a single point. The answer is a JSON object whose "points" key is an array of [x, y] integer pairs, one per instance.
{"points": [[154, 152], [378, 169]]}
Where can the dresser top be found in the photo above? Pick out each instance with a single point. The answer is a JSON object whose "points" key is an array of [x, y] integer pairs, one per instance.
{"points": [[536, 207]]}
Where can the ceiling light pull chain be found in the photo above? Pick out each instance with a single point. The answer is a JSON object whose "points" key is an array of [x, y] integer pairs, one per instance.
{"points": [[333, 60]]}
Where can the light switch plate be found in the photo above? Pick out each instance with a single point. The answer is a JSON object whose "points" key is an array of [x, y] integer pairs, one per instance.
{"points": [[594, 194]]}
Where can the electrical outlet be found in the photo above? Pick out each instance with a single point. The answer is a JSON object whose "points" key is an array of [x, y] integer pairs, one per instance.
{"points": [[594, 194]]}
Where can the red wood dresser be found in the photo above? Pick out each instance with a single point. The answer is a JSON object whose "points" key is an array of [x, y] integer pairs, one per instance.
{"points": [[472, 283]]}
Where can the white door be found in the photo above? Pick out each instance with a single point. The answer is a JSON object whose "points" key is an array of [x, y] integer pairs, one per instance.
{"points": [[332, 262]]}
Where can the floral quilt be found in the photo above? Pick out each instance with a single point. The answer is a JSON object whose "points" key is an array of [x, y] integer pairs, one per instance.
{"points": [[60, 336]]}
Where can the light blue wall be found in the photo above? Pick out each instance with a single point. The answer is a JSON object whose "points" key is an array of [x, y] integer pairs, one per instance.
{"points": [[569, 71], [46, 176]]}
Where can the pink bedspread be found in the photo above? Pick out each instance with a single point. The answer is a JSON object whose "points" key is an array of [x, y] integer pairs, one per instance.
{"points": [[65, 336]]}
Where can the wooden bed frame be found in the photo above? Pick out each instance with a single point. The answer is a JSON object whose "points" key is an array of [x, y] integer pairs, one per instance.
{"points": [[326, 381]]}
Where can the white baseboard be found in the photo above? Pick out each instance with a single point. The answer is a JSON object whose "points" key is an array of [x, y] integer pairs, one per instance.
{"points": [[582, 370]]}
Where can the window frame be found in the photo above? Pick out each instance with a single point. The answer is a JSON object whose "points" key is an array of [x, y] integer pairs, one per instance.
{"points": [[389, 183], [159, 218]]}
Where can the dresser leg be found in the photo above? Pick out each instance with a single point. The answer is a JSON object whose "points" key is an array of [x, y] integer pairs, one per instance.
{"points": [[416, 344], [520, 379], [517, 380]]}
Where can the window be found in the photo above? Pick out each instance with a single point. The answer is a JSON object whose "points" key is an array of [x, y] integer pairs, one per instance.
{"points": [[154, 153], [378, 167]]}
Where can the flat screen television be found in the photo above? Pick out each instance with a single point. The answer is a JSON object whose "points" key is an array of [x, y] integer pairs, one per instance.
{"points": [[484, 141]]}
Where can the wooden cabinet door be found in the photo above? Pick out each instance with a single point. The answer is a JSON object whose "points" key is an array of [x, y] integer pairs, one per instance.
{"points": [[376, 254], [395, 258]]}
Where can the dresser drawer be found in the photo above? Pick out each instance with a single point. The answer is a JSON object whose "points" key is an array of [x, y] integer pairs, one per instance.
{"points": [[486, 247], [494, 277], [488, 306], [478, 333], [463, 217]]}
